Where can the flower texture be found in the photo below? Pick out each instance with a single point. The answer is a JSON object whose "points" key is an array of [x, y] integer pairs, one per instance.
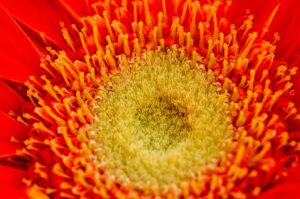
{"points": [[149, 99]]}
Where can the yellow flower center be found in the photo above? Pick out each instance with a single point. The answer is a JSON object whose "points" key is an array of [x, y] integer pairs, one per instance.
{"points": [[160, 121]]}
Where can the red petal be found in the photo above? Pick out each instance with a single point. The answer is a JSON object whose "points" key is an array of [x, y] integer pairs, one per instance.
{"points": [[284, 191], [9, 99], [81, 7], [286, 22], [13, 193], [10, 179], [8, 148], [41, 16], [19, 58], [260, 9], [289, 188], [10, 127], [293, 175]]}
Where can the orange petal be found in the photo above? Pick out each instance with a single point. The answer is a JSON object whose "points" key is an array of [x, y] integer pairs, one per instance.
{"points": [[19, 57]]}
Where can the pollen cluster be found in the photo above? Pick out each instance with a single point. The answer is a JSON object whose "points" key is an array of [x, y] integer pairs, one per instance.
{"points": [[160, 120]]}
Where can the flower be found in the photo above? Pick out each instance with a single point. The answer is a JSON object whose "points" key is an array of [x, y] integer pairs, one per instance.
{"points": [[101, 83]]}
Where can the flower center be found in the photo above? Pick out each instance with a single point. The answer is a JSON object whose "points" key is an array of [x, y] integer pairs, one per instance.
{"points": [[160, 120]]}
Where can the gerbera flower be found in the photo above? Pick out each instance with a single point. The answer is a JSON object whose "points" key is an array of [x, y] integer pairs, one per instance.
{"points": [[149, 98]]}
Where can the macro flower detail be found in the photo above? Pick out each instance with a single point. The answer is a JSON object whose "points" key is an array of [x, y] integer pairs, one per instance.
{"points": [[148, 98]]}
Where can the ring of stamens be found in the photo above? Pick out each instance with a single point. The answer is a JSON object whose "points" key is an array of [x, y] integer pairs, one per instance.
{"points": [[260, 87]]}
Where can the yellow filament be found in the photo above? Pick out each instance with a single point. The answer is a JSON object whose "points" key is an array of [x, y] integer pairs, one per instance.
{"points": [[35, 192], [180, 35], [159, 24], [57, 119], [80, 116], [252, 38], [216, 29], [72, 126], [225, 69], [68, 66], [96, 38], [110, 59], [212, 60], [66, 102], [68, 140], [110, 45], [274, 98], [210, 48], [194, 58], [195, 7], [201, 32], [256, 191], [101, 63], [243, 81], [116, 25], [141, 33], [252, 79], [226, 51], [162, 43], [147, 13], [258, 108], [137, 47], [59, 171], [107, 23], [82, 104], [269, 21], [173, 29], [235, 95], [68, 38], [87, 94], [165, 16], [44, 66], [49, 88], [82, 40], [261, 154], [189, 40], [221, 44], [239, 155], [81, 80], [126, 47], [38, 169], [135, 11], [241, 118]]}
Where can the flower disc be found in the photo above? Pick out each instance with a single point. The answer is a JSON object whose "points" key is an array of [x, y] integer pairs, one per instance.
{"points": [[159, 121]]}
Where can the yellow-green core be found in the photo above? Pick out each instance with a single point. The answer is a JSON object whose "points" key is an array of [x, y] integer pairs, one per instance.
{"points": [[160, 120]]}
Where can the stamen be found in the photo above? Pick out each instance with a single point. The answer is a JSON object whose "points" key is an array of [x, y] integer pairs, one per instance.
{"points": [[147, 13]]}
